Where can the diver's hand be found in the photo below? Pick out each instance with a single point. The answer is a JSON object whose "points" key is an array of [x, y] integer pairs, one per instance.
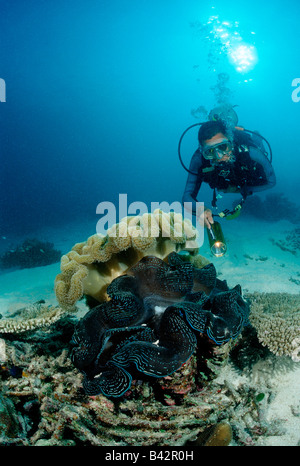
{"points": [[208, 218]]}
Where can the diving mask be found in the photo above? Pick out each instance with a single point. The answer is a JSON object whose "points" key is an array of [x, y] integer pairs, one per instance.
{"points": [[217, 151]]}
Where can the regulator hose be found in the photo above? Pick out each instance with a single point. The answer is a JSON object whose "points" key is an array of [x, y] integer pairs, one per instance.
{"points": [[270, 155]]}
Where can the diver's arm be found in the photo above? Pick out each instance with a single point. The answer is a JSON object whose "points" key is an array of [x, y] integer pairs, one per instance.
{"points": [[270, 178], [193, 183]]}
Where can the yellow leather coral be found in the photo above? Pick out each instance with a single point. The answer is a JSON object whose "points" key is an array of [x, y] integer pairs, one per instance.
{"points": [[91, 265]]}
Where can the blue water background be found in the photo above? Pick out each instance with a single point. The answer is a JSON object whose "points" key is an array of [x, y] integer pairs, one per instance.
{"points": [[99, 92]]}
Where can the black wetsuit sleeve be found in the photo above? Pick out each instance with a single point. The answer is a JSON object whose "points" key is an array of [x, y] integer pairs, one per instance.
{"points": [[268, 178], [193, 183]]}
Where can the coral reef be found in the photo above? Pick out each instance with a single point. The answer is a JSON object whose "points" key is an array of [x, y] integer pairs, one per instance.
{"points": [[44, 404], [264, 208], [32, 317], [91, 265], [125, 335], [276, 318], [54, 411], [31, 253]]}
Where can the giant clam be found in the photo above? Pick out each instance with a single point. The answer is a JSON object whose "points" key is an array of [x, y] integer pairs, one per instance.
{"points": [[149, 326]]}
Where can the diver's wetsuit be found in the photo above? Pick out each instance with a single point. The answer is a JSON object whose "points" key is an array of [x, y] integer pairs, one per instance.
{"points": [[251, 172]]}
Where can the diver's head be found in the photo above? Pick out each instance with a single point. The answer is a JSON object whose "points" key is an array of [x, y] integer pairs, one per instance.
{"points": [[215, 143]]}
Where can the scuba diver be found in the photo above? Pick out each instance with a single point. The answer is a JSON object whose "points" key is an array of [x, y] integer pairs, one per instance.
{"points": [[230, 159]]}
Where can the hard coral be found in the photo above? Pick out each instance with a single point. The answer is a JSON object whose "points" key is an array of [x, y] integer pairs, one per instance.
{"points": [[276, 318], [91, 265], [32, 317]]}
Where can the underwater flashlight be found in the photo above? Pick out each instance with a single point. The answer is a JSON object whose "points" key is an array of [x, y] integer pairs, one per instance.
{"points": [[216, 240]]}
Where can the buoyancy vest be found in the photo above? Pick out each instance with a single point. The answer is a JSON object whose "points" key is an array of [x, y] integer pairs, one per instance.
{"points": [[241, 173]]}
